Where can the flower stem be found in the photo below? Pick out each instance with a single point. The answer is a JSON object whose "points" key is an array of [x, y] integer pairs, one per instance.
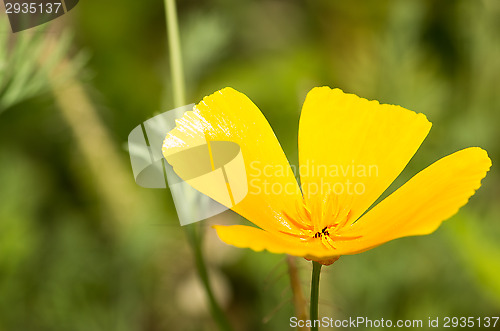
{"points": [[194, 234], [193, 231], [174, 44], [315, 294]]}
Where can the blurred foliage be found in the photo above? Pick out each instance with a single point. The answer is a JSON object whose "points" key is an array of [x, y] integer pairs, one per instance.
{"points": [[65, 266], [26, 59]]}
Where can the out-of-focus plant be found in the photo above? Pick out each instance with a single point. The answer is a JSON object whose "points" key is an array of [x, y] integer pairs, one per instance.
{"points": [[21, 75], [479, 252]]}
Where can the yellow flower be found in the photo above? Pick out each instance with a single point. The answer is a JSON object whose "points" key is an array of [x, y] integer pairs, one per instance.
{"points": [[350, 151]]}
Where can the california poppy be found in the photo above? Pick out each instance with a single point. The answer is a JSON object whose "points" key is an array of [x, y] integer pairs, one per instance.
{"points": [[350, 151]]}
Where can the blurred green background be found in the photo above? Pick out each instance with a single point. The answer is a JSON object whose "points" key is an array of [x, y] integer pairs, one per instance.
{"points": [[82, 247]]}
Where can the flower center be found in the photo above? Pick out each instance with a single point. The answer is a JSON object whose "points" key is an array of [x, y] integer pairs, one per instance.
{"points": [[326, 214]]}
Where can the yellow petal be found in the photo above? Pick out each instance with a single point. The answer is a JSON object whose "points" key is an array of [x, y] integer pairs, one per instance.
{"points": [[249, 237], [424, 202], [354, 147], [228, 115]]}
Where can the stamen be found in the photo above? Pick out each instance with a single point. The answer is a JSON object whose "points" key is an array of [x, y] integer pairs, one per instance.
{"points": [[321, 219], [294, 220], [346, 219], [342, 238], [303, 214], [328, 242]]}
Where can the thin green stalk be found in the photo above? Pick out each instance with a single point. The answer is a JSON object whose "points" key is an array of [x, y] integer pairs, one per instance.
{"points": [[194, 234], [315, 294], [174, 44], [193, 231]]}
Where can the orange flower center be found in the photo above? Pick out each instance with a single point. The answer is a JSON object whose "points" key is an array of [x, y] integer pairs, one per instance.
{"points": [[321, 221]]}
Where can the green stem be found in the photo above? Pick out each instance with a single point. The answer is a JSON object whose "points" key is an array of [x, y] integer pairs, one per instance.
{"points": [[315, 294], [193, 231], [174, 45], [195, 237]]}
